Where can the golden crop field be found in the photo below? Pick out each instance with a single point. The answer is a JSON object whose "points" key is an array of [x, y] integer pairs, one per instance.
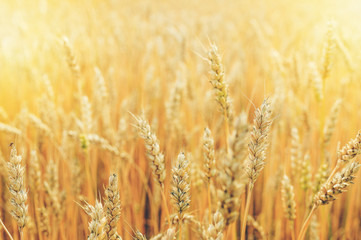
{"points": [[179, 119]]}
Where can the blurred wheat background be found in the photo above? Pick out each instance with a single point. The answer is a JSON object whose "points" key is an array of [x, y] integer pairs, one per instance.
{"points": [[180, 119]]}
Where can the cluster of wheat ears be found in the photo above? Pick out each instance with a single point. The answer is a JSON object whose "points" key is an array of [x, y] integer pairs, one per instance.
{"points": [[134, 127]]}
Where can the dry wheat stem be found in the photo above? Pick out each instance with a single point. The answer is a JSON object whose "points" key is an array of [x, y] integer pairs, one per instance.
{"points": [[6, 230]]}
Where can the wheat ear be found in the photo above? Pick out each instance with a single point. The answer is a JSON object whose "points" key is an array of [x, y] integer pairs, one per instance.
{"points": [[209, 165], [16, 173], [98, 221], [112, 208], [256, 158], [154, 155], [289, 203], [330, 189], [181, 188], [221, 88]]}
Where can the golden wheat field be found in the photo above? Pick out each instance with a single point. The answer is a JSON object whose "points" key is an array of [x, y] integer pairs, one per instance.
{"points": [[166, 119]]}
